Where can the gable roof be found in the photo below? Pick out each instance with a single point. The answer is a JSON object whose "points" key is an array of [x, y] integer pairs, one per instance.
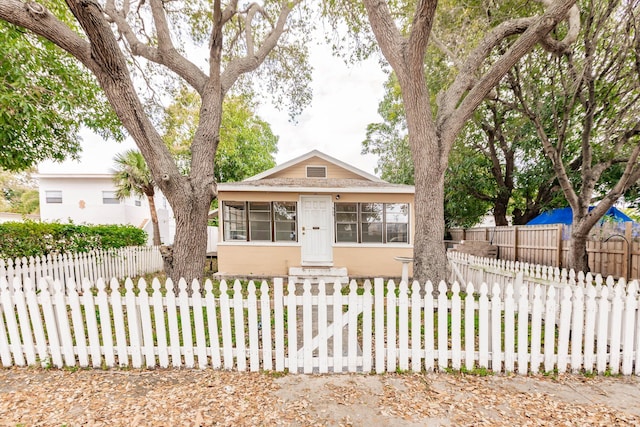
{"points": [[321, 155], [358, 180]]}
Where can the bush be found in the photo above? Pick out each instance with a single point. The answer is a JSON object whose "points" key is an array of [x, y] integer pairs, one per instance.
{"points": [[30, 238]]}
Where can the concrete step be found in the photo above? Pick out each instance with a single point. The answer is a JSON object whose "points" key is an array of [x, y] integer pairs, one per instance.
{"points": [[315, 274]]}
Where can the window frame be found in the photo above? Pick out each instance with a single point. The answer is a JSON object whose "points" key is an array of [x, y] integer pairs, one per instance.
{"points": [[273, 221], [384, 223], [113, 200], [51, 199]]}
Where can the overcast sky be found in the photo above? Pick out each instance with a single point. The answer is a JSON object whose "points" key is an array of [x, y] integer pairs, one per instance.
{"points": [[345, 100]]}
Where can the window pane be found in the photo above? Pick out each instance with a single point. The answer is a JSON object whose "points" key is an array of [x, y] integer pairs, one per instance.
{"points": [[53, 196], [284, 216], [346, 222], [397, 222], [259, 221], [397, 233], [371, 222], [346, 233], [234, 221]]}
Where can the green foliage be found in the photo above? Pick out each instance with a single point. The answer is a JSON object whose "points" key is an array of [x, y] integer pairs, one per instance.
{"points": [[18, 193], [133, 176], [45, 101], [30, 238], [247, 144]]}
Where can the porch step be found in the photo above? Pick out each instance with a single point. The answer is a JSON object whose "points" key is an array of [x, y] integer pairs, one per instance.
{"points": [[315, 274]]}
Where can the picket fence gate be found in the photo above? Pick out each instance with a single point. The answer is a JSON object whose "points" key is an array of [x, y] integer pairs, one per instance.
{"points": [[360, 328], [121, 263]]}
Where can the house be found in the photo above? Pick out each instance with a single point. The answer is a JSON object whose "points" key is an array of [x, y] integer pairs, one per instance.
{"points": [[314, 216], [91, 199]]}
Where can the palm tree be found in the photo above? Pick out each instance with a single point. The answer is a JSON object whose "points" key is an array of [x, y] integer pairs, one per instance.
{"points": [[134, 178]]}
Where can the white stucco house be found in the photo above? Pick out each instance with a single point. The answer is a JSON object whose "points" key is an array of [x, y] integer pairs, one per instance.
{"points": [[90, 198]]}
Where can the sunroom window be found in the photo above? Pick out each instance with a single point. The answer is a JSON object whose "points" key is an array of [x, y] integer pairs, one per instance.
{"points": [[265, 221], [234, 218], [284, 220], [260, 220], [372, 222]]}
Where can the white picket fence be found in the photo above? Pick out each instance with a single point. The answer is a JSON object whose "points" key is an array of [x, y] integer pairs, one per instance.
{"points": [[379, 328], [120, 263]]}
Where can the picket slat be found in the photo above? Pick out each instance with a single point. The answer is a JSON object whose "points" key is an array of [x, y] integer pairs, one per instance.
{"points": [[198, 321]]}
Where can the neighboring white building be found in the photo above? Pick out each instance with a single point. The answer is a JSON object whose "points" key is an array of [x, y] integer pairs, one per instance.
{"points": [[84, 198]]}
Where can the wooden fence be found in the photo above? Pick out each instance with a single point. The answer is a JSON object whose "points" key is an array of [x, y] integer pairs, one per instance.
{"points": [[613, 249], [379, 328], [120, 263]]}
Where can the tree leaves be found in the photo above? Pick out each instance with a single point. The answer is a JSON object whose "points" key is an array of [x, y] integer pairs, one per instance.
{"points": [[45, 101]]}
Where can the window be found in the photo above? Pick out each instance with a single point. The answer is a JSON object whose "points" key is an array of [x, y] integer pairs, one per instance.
{"points": [[265, 221], [234, 219], [260, 221], [110, 198], [372, 222], [397, 222], [53, 196], [284, 220], [138, 202], [346, 222]]}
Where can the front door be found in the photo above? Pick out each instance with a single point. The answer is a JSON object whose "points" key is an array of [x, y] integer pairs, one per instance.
{"points": [[316, 230]]}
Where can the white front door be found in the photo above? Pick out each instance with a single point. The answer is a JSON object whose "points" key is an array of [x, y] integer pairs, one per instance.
{"points": [[316, 231]]}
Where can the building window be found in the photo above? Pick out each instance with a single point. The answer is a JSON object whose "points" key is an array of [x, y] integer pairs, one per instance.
{"points": [[396, 219], [372, 222], [260, 221], [346, 222], [265, 222], [110, 198], [284, 221], [234, 218], [138, 202], [53, 196]]}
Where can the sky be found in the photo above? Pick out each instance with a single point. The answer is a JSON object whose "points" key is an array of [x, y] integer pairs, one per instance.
{"points": [[345, 100]]}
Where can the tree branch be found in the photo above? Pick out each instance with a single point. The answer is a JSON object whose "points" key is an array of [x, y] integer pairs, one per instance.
{"points": [[453, 109], [250, 62], [38, 19], [387, 35]]}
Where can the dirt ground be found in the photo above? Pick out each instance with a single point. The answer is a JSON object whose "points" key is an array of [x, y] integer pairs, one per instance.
{"points": [[38, 397]]}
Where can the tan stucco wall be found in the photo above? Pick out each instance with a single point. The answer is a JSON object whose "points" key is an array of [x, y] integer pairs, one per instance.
{"points": [[371, 262], [252, 259], [361, 261], [300, 170]]}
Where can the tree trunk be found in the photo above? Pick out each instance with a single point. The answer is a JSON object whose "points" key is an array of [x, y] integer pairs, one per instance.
{"points": [[578, 257], [429, 157], [430, 262], [154, 220], [500, 212], [186, 257]]}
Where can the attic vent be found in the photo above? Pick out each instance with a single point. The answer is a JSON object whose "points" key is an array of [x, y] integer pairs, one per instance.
{"points": [[316, 171]]}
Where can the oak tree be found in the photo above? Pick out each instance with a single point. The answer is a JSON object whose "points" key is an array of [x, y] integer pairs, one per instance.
{"points": [[134, 48], [403, 39]]}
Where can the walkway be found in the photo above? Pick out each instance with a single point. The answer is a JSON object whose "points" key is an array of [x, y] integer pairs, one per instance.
{"points": [[40, 397]]}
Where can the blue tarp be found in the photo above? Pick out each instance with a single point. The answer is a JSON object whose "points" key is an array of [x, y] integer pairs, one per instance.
{"points": [[565, 216]]}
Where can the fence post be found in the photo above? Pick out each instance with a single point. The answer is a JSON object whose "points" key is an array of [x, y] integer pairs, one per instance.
{"points": [[515, 243], [626, 260], [559, 245]]}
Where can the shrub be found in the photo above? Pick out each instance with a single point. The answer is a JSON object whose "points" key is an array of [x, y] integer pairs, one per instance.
{"points": [[30, 238]]}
